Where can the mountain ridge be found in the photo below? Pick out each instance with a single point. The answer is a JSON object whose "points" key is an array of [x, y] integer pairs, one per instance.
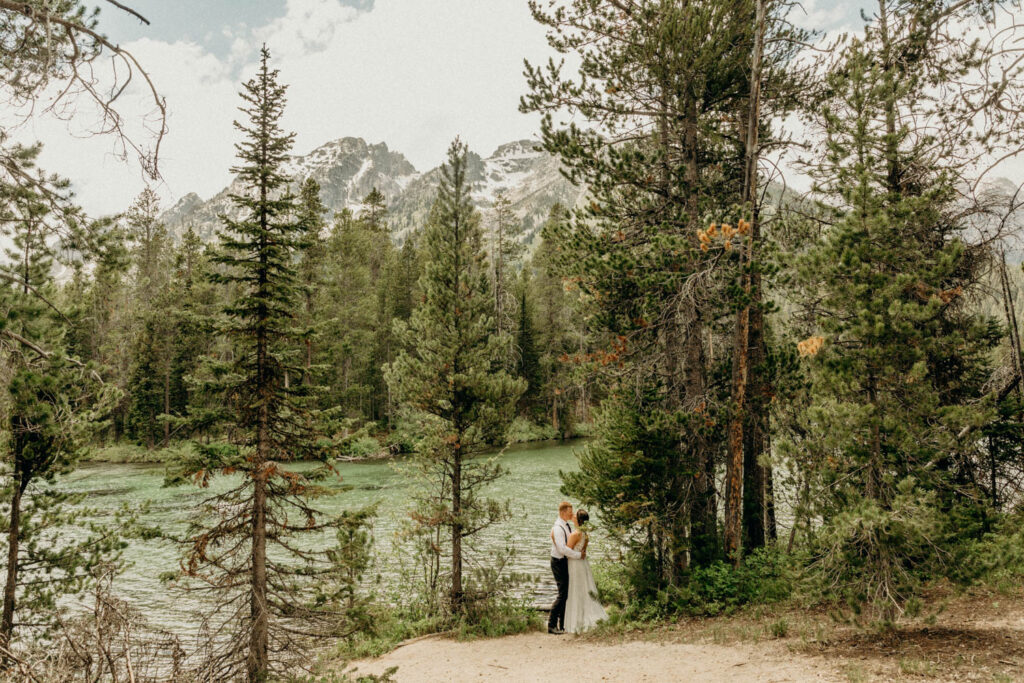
{"points": [[348, 168]]}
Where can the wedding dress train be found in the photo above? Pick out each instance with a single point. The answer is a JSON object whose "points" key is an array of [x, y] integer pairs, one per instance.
{"points": [[582, 610]]}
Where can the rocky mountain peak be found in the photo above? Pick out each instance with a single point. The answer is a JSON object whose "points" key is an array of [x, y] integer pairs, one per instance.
{"points": [[349, 168], [520, 149]]}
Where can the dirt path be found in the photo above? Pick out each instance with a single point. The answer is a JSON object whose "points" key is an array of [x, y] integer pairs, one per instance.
{"points": [[535, 657]]}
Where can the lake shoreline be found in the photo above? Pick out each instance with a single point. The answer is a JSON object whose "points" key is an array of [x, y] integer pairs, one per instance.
{"points": [[127, 453], [531, 487]]}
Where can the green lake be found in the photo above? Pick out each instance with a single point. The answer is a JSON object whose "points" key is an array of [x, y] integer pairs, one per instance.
{"points": [[532, 485]]}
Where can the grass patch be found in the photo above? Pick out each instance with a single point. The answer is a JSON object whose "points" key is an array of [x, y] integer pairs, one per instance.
{"points": [[779, 628], [392, 627], [917, 667], [855, 673]]}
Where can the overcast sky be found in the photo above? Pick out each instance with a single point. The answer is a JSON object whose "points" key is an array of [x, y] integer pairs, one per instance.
{"points": [[411, 73]]}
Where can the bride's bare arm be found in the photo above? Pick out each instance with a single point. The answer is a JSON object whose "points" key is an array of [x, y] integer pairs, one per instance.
{"points": [[574, 538]]}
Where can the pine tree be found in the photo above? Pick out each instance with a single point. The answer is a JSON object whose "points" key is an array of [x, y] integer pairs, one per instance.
{"points": [[505, 249], [53, 403], [667, 86], [561, 329], [662, 81], [450, 369], [528, 357], [266, 603], [311, 215], [102, 314], [194, 299], [357, 256], [153, 323], [899, 356], [375, 210], [151, 246]]}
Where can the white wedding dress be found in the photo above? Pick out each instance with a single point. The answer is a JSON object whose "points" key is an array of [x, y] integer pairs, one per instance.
{"points": [[582, 610]]}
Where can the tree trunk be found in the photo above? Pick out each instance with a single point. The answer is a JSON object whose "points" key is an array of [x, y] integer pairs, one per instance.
{"points": [[873, 476], [744, 515], [167, 404], [704, 509], [771, 525], [753, 486], [734, 476], [10, 588], [258, 664], [309, 360], [993, 471], [756, 526], [456, 597], [259, 654], [892, 161]]}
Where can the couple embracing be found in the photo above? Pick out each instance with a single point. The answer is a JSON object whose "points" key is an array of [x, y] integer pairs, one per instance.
{"points": [[576, 609]]}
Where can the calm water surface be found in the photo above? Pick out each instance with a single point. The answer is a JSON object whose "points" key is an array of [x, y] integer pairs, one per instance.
{"points": [[531, 485]]}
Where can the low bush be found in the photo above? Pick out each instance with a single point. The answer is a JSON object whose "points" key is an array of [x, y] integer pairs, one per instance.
{"points": [[766, 576], [362, 447], [523, 430]]}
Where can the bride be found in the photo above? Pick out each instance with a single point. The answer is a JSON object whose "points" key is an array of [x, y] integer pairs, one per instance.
{"points": [[582, 610]]}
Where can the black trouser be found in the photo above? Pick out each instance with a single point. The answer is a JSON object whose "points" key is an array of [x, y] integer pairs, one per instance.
{"points": [[560, 568]]}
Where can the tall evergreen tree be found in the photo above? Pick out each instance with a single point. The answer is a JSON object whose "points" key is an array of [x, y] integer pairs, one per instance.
{"points": [[53, 403], [311, 215], [667, 85], [194, 300], [528, 356], [662, 80], [357, 257], [375, 210], [505, 249], [246, 552], [153, 323], [561, 329], [900, 356], [450, 369]]}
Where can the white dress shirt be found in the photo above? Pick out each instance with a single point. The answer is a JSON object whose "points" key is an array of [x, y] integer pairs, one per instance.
{"points": [[559, 538]]}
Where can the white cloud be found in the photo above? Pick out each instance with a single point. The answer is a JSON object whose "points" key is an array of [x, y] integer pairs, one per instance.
{"points": [[811, 15], [308, 27], [412, 73]]}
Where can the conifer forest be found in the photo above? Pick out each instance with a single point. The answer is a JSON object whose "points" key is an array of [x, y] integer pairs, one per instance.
{"points": [[749, 294]]}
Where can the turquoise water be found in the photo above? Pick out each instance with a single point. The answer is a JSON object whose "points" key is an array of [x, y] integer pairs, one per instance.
{"points": [[532, 486]]}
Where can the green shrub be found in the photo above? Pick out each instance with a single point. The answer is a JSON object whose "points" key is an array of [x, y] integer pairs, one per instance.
{"points": [[498, 617], [523, 430], [612, 579], [361, 447], [582, 429], [766, 576]]}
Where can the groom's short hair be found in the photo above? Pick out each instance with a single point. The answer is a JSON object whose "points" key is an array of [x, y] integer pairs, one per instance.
{"points": [[563, 506]]}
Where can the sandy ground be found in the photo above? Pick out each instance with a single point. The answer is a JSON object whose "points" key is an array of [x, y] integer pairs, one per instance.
{"points": [[975, 637], [542, 657]]}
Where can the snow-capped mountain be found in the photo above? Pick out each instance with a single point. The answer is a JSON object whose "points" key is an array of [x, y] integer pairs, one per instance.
{"points": [[349, 168]]}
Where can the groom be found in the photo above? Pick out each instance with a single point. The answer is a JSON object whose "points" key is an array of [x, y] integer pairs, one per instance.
{"points": [[560, 565]]}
